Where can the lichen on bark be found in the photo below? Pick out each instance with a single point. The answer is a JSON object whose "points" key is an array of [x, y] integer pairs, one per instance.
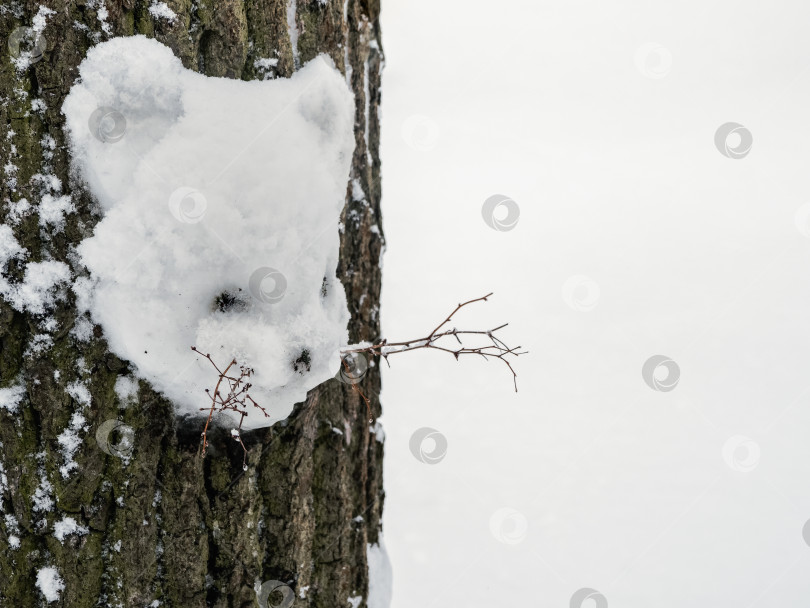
{"points": [[165, 524]]}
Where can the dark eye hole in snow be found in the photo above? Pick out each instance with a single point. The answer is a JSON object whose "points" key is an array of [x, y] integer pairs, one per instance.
{"points": [[231, 301], [303, 363]]}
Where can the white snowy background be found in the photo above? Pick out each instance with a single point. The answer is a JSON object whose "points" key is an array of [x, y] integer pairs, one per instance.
{"points": [[599, 119]]}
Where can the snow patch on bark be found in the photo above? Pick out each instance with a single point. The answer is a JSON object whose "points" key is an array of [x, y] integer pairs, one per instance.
{"points": [[50, 583], [11, 397], [41, 280], [39, 288], [222, 200], [292, 28], [126, 389], [67, 526], [161, 10]]}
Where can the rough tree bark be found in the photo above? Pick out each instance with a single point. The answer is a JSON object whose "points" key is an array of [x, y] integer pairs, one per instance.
{"points": [[170, 526]]}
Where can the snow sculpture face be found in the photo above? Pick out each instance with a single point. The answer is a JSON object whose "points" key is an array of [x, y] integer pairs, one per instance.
{"points": [[221, 204]]}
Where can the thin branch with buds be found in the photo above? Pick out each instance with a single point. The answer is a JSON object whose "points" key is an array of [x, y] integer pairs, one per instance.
{"points": [[232, 391], [497, 350], [235, 398]]}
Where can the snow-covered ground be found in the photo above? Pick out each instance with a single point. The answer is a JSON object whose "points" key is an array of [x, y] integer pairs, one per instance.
{"points": [[599, 121]]}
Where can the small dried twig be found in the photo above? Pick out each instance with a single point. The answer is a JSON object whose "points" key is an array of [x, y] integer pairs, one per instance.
{"points": [[497, 350], [235, 398]]}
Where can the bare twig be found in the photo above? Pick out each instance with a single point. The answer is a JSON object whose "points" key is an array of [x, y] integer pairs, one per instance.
{"points": [[497, 350], [236, 399], [236, 396]]}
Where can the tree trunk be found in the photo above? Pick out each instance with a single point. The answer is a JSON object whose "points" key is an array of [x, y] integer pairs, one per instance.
{"points": [[166, 525]]}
